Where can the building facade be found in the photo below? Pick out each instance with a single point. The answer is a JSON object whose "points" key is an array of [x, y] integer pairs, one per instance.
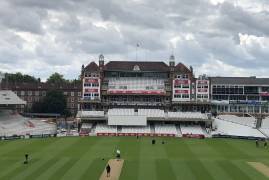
{"points": [[34, 92], [155, 84], [152, 85], [143, 84], [240, 94]]}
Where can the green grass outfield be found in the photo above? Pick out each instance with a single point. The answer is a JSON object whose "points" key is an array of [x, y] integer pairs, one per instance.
{"points": [[81, 158]]}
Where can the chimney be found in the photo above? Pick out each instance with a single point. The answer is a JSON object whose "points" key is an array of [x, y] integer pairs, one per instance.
{"points": [[1, 77], [191, 69], [82, 71]]}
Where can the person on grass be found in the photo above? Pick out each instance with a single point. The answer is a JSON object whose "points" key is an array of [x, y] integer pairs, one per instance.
{"points": [[265, 143], [118, 154], [26, 159], [257, 143], [108, 169]]}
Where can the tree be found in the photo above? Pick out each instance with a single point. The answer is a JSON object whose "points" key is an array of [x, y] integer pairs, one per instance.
{"points": [[37, 107], [19, 78], [75, 81], [53, 102], [56, 78]]}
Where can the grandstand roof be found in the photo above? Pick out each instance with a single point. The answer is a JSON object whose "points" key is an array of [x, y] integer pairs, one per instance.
{"points": [[153, 66], [240, 80], [1, 76], [9, 98], [92, 67]]}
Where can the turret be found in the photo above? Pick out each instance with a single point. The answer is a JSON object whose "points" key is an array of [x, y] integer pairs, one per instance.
{"points": [[101, 61], [172, 63]]}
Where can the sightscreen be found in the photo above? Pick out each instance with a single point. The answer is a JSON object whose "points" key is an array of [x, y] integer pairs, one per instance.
{"points": [[125, 120]]}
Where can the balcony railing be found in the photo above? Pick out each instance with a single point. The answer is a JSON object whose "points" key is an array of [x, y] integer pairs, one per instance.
{"points": [[96, 99], [134, 103]]}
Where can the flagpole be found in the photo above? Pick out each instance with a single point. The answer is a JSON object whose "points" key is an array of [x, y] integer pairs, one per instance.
{"points": [[136, 52]]}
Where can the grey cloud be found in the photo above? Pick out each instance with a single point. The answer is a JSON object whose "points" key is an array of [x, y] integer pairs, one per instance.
{"points": [[21, 19], [236, 19], [129, 13], [47, 4], [67, 34]]}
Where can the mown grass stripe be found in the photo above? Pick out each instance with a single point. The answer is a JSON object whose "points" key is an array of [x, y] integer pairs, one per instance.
{"points": [[94, 170], [234, 172], [244, 145], [30, 146], [60, 150], [106, 147], [18, 157], [36, 155], [182, 171], [131, 158], [34, 173], [85, 159], [201, 149], [16, 169], [9, 146], [250, 171], [164, 169], [215, 170], [52, 169], [227, 150], [7, 163], [31, 169], [147, 152], [62, 170], [147, 169], [83, 162], [133, 146], [198, 170], [152, 151], [130, 170], [184, 152]]}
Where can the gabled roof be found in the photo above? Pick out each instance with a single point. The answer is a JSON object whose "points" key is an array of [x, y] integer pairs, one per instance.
{"points": [[92, 67], [153, 66], [182, 68], [240, 80]]}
